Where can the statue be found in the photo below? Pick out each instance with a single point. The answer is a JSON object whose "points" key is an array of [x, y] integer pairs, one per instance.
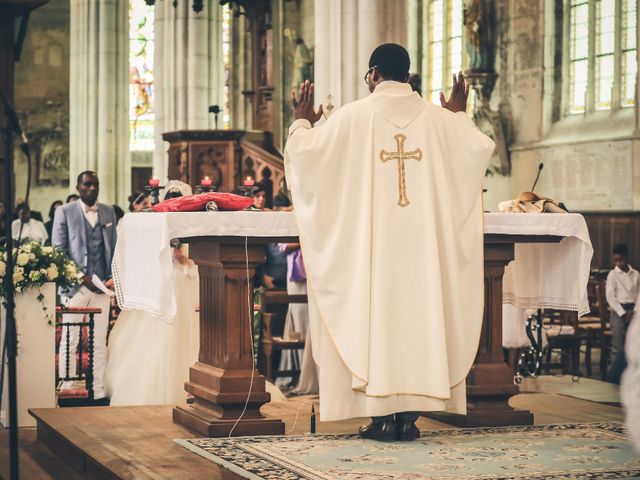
{"points": [[302, 59], [480, 24]]}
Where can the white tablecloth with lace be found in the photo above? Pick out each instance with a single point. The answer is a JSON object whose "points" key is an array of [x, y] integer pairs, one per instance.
{"points": [[542, 275]]}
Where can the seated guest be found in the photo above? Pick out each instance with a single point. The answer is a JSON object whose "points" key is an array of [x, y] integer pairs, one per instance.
{"points": [[52, 211], [26, 227], [20, 202], [623, 286], [297, 321], [149, 359], [139, 201], [260, 198], [72, 198]]}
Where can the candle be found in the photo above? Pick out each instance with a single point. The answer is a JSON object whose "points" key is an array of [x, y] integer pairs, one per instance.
{"points": [[154, 182], [249, 182], [206, 182]]}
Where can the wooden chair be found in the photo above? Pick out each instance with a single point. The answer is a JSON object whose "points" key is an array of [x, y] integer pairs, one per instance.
{"points": [[594, 328], [275, 304], [562, 338], [84, 355]]}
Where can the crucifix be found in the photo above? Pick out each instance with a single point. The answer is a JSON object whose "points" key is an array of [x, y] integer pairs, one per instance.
{"points": [[401, 156]]}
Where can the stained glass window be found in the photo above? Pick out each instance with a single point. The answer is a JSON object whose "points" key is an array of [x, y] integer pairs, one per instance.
{"points": [[445, 45], [578, 54], [141, 87], [629, 67], [602, 54], [226, 56]]}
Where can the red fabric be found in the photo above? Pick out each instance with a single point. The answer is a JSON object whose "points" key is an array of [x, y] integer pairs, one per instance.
{"points": [[80, 393], [196, 203]]}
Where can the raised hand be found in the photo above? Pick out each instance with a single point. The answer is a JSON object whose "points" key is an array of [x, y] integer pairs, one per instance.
{"points": [[459, 93], [303, 103]]}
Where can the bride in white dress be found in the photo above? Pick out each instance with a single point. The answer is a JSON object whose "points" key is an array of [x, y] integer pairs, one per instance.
{"points": [[149, 359]]}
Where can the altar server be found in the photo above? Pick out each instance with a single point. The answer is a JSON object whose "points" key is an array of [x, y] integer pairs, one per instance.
{"points": [[623, 286], [86, 230], [387, 195]]}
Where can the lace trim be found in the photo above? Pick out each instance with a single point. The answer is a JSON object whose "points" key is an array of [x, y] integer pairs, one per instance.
{"points": [[544, 303]]}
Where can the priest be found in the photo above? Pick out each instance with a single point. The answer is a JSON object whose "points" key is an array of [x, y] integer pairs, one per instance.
{"points": [[387, 196]]}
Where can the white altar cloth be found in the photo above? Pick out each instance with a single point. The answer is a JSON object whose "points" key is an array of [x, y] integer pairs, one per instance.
{"points": [[541, 274]]}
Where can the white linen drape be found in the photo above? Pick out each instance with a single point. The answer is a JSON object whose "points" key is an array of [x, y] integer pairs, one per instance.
{"points": [[189, 71], [98, 95]]}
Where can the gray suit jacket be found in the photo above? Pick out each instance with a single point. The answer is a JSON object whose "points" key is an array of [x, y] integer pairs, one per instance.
{"points": [[70, 235]]}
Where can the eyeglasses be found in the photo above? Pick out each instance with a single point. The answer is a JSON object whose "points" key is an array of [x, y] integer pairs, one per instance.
{"points": [[369, 72]]}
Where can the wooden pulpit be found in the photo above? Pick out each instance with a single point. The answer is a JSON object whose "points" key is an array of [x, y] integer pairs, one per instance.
{"points": [[226, 157], [223, 381]]}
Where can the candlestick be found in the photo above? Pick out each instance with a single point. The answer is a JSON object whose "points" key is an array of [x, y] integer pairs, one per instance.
{"points": [[206, 182], [249, 182], [206, 186], [154, 190]]}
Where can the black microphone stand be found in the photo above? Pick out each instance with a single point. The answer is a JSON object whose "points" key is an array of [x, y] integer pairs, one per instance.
{"points": [[8, 130]]}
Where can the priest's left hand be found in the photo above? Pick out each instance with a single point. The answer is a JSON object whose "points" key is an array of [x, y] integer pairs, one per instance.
{"points": [[459, 92], [303, 103]]}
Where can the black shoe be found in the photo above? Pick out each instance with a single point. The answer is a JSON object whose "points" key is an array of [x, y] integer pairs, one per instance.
{"points": [[407, 431], [380, 430]]}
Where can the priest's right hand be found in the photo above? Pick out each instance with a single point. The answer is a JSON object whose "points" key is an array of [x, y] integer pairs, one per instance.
{"points": [[459, 93], [303, 103]]}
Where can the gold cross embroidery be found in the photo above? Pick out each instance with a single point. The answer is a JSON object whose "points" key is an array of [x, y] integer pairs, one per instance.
{"points": [[401, 156]]}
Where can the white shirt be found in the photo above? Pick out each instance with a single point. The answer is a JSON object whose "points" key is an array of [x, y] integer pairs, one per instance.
{"points": [[90, 213], [622, 287], [33, 229]]}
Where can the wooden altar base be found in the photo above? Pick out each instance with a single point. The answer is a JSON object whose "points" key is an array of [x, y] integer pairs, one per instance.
{"points": [[137, 442]]}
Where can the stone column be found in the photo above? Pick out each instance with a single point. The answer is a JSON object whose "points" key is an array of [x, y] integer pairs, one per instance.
{"points": [[346, 32], [98, 95], [189, 71]]}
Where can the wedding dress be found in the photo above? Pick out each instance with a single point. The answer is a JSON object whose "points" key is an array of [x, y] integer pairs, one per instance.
{"points": [[149, 359]]}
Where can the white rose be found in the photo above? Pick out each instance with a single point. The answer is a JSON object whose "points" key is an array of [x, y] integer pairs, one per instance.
{"points": [[26, 248], [34, 276], [18, 275], [3, 268], [52, 272], [47, 250], [32, 257], [23, 259]]}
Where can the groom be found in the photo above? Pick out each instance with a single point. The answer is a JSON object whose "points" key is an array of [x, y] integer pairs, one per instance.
{"points": [[86, 230]]}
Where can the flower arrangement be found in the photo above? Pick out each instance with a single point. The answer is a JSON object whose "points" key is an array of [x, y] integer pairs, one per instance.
{"points": [[35, 265]]}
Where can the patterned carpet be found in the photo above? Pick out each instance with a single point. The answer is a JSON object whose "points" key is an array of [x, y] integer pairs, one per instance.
{"points": [[571, 451]]}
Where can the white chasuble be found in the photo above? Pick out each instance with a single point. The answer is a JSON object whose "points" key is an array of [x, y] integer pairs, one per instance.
{"points": [[387, 196]]}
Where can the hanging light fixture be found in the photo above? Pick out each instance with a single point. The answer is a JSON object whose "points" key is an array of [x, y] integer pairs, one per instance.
{"points": [[198, 5]]}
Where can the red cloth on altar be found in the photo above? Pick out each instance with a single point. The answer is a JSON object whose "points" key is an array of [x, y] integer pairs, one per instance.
{"points": [[196, 203]]}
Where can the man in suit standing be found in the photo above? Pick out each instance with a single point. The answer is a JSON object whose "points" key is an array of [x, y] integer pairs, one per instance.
{"points": [[86, 230]]}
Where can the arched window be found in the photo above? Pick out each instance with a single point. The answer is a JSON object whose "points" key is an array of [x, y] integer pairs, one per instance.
{"points": [[601, 55], [444, 45], [141, 85]]}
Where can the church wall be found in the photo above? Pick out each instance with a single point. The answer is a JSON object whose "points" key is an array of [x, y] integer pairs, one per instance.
{"points": [[591, 163], [42, 101]]}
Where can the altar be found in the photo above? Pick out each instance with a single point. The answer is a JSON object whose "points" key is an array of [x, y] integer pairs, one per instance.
{"points": [[228, 246]]}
